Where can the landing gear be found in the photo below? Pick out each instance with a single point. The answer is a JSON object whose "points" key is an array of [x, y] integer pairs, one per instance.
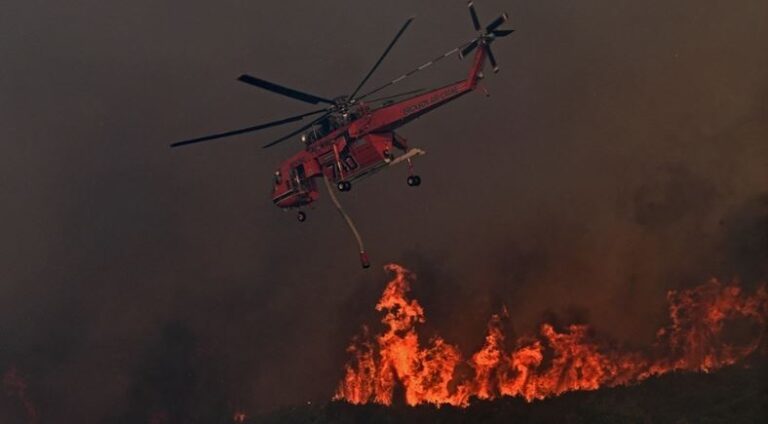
{"points": [[413, 180], [301, 216], [344, 186]]}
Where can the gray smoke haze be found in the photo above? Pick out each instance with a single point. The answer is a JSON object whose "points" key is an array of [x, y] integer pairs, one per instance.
{"points": [[623, 152]]}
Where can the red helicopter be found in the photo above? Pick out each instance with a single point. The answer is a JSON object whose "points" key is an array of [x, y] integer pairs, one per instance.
{"points": [[351, 138]]}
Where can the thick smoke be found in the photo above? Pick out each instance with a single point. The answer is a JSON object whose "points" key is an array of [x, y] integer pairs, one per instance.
{"points": [[622, 152]]}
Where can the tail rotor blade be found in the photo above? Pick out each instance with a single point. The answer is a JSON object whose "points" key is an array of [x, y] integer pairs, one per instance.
{"points": [[497, 22], [473, 13], [492, 59], [468, 49], [502, 32]]}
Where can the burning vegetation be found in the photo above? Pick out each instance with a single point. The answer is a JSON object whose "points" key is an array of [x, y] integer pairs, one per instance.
{"points": [[710, 326]]}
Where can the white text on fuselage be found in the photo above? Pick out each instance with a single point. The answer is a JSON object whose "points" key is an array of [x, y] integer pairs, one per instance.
{"points": [[437, 97]]}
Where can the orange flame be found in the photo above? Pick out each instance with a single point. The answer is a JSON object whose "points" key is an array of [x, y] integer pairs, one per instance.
{"points": [[239, 417], [549, 364]]}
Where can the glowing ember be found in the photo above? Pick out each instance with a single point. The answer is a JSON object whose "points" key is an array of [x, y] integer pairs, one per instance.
{"points": [[551, 363]]}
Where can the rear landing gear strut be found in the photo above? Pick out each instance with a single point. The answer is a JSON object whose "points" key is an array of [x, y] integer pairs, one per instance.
{"points": [[412, 180], [301, 216]]}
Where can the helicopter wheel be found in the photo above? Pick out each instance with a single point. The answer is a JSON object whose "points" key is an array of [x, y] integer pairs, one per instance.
{"points": [[344, 186], [301, 216], [413, 180]]}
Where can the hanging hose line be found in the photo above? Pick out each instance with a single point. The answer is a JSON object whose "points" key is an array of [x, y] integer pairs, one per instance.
{"points": [[363, 256]]}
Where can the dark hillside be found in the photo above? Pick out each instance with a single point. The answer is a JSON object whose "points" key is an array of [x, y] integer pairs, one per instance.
{"points": [[733, 395]]}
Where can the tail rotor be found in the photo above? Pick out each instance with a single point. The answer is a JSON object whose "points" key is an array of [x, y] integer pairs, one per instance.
{"points": [[487, 35]]}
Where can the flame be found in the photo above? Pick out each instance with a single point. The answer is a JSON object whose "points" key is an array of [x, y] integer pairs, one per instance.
{"points": [[425, 373], [239, 417], [544, 365]]}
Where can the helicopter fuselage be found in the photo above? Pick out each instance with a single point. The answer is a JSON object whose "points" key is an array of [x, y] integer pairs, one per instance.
{"points": [[362, 146]]}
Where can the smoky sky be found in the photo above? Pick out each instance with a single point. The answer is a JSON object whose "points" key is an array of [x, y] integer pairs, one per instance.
{"points": [[623, 151]]}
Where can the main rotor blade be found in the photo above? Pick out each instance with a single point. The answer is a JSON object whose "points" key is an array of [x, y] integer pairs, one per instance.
{"points": [[285, 91], [411, 72], [246, 130], [381, 99], [296, 132], [475, 20], [498, 21], [378, 62]]}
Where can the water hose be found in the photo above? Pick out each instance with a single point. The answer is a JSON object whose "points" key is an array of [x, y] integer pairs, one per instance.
{"points": [[363, 256]]}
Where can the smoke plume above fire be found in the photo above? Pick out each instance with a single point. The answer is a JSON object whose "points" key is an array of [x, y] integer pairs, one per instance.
{"points": [[710, 326]]}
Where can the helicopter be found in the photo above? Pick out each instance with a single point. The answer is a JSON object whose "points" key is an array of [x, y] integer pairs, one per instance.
{"points": [[353, 136]]}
